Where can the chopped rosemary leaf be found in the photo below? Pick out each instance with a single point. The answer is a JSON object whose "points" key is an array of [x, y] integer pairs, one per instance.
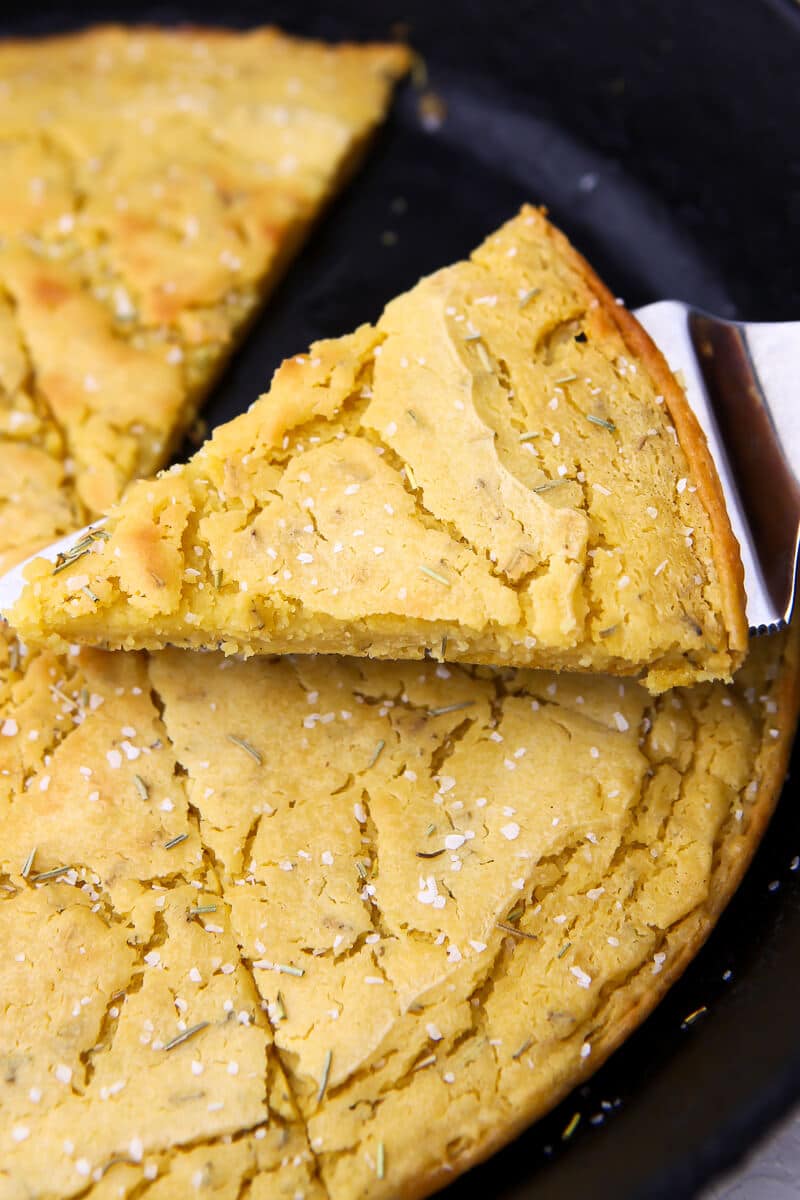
{"points": [[216, 578], [326, 1070], [67, 557], [187, 1033], [526, 297], [63, 561], [202, 908], [527, 437], [525, 1046], [566, 379], [444, 648], [379, 746], [430, 853], [141, 787], [694, 1016], [472, 337], [246, 746], [175, 841], [574, 1122], [551, 483], [449, 708], [87, 591], [410, 413], [362, 870], [515, 913], [516, 932], [609, 425], [28, 864], [43, 875], [380, 1161], [435, 575], [564, 949], [484, 357], [56, 691], [280, 1007], [286, 969], [431, 829]]}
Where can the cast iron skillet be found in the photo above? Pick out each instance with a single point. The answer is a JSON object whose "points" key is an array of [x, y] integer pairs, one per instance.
{"points": [[663, 138]]}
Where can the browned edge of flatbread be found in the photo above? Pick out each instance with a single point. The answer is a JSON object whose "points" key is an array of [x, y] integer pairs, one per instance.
{"points": [[691, 437], [732, 858]]}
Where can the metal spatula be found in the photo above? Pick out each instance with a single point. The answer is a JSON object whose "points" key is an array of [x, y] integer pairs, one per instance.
{"points": [[743, 383]]}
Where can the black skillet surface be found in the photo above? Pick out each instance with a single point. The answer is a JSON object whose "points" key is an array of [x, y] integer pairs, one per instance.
{"points": [[663, 138]]}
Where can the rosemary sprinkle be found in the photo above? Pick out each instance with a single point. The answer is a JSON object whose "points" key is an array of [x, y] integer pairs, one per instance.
{"points": [[247, 747], [379, 746], [529, 435], [609, 425], [435, 575], [187, 1033], [175, 841], [449, 708], [380, 1161], [326, 1070], [202, 908], [28, 864], [286, 969], [551, 483], [43, 875], [430, 853], [564, 949], [525, 1046], [516, 932], [141, 787]]}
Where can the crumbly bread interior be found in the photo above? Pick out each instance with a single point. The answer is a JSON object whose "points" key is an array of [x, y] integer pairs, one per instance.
{"points": [[337, 927], [501, 470], [155, 185]]}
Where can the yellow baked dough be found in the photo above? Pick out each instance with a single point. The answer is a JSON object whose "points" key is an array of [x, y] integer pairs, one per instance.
{"points": [[501, 470], [155, 184], [415, 905]]}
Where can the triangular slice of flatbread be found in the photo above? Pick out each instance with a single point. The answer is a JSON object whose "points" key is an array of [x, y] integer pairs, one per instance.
{"points": [[155, 184], [501, 470]]}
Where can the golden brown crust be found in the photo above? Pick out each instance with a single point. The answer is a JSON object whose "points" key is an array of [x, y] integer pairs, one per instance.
{"points": [[692, 439], [576, 538], [771, 771], [133, 263]]}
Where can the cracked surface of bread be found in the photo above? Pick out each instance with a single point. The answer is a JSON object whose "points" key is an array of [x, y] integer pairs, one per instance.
{"points": [[501, 470], [156, 185], [366, 1005]]}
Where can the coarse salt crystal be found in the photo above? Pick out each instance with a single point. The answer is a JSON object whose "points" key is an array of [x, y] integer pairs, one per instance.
{"points": [[582, 978]]}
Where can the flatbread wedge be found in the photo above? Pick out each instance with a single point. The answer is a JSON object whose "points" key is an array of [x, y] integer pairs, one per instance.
{"points": [[156, 184], [341, 928], [502, 470]]}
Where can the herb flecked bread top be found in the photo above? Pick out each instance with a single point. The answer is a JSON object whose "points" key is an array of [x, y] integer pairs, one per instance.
{"points": [[501, 470], [154, 185], [330, 929]]}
